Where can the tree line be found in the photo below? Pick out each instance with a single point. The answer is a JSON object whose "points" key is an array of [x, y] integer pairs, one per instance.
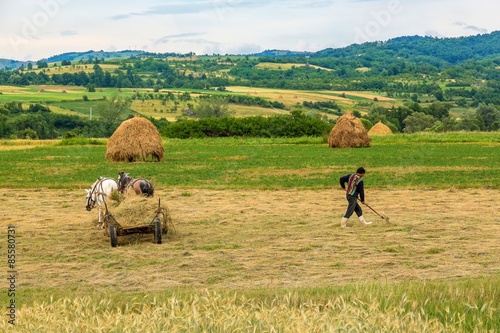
{"points": [[212, 119]]}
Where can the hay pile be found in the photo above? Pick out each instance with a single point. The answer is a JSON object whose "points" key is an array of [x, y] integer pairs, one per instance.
{"points": [[136, 139], [138, 210], [379, 129], [348, 132]]}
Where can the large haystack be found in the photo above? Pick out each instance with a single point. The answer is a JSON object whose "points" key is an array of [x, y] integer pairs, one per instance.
{"points": [[136, 139], [379, 129], [348, 132]]}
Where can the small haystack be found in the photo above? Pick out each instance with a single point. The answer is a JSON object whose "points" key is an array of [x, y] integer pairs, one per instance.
{"points": [[348, 132], [379, 129], [136, 139]]}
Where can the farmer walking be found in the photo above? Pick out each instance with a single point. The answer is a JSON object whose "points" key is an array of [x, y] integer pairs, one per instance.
{"points": [[353, 190]]}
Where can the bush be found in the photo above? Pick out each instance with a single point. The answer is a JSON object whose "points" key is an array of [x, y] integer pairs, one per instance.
{"points": [[293, 125]]}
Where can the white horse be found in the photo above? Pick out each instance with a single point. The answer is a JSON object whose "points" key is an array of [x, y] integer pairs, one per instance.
{"points": [[99, 193]]}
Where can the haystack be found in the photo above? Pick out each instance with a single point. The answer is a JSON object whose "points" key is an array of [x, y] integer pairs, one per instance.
{"points": [[379, 129], [348, 132], [136, 139]]}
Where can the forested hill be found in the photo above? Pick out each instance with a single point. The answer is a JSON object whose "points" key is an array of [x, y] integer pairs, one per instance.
{"points": [[75, 56], [438, 51]]}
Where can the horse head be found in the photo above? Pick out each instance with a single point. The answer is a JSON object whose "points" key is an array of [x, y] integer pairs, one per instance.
{"points": [[90, 200], [123, 180]]}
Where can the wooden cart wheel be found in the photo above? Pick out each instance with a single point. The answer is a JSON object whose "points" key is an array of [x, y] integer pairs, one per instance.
{"points": [[112, 235], [157, 231]]}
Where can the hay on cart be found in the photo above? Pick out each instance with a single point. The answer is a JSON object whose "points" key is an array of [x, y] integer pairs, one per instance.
{"points": [[140, 211]]}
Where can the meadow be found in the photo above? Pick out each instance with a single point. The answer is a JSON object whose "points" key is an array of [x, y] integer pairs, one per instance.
{"points": [[69, 99], [257, 244]]}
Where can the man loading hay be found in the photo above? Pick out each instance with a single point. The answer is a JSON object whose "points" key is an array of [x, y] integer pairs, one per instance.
{"points": [[354, 189]]}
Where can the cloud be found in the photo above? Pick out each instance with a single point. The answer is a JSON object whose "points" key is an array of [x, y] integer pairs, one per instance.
{"points": [[186, 8], [471, 27], [216, 6], [184, 36], [247, 48], [69, 33]]}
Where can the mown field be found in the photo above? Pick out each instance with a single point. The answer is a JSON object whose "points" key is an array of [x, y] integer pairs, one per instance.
{"points": [[257, 243]]}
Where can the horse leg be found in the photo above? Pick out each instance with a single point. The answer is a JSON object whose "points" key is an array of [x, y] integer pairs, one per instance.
{"points": [[99, 223], [137, 188]]}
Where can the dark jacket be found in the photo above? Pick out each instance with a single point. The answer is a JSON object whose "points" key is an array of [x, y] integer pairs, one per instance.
{"points": [[358, 192]]}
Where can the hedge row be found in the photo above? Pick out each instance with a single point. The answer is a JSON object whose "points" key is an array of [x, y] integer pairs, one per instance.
{"points": [[294, 125]]}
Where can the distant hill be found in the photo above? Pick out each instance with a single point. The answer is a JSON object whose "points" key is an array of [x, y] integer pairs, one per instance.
{"points": [[282, 53], [439, 52], [9, 63], [76, 56], [444, 51]]}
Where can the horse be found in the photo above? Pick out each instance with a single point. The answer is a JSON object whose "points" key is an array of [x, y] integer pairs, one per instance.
{"points": [[99, 193], [140, 186]]}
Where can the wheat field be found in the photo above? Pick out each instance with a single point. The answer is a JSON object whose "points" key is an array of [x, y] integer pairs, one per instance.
{"points": [[263, 261]]}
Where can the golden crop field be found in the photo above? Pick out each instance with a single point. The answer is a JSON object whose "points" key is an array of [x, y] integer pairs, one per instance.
{"points": [[293, 97], [285, 66]]}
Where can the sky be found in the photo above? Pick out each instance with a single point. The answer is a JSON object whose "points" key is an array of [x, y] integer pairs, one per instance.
{"points": [[37, 29]]}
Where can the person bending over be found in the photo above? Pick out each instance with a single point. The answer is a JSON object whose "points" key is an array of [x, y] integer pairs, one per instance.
{"points": [[353, 185]]}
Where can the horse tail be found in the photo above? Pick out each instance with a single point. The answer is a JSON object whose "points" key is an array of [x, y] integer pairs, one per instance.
{"points": [[147, 189]]}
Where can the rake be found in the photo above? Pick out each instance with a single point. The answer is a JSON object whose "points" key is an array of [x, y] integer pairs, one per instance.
{"points": [[384, 217]]}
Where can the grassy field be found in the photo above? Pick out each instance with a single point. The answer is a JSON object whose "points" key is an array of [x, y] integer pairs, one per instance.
{"points": [[405, 161], [257, 244], [77, 68], [70, 99], [54, 94]]}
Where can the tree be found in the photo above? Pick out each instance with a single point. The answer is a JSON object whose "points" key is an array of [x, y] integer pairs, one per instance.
{"points": [[418, 122], [438, 110], [377, 113], [490, 115], [439, 95], [42, 64], [3, 121], [112, 110], [213, 106]]}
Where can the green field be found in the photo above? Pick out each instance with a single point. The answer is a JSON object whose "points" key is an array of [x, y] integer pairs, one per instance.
{"points": [[257, 246], [69, 99], [403, 161]]}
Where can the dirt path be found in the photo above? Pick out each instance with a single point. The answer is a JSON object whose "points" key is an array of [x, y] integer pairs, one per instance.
{"points": [[254, 239]]}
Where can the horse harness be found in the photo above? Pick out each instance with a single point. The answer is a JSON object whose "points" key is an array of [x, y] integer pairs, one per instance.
{"points": [[93, 190]]}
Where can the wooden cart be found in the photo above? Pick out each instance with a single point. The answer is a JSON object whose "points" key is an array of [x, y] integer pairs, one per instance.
{"points": [[158, 226]]}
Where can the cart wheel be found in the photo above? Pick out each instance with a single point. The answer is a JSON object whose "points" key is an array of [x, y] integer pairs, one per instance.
{"points": [[112, 235], [157, 231]]}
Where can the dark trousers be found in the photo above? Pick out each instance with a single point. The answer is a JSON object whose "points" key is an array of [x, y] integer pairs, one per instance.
{"points": [[353, 206]]}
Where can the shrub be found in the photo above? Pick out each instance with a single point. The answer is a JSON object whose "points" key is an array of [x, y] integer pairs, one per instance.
{"points": [[294, 125]]}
